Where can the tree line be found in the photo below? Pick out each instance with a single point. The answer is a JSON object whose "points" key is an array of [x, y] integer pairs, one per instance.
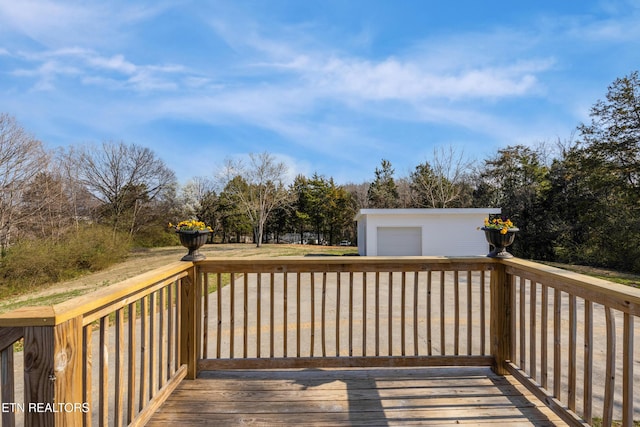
{"points": [[574, 201]]}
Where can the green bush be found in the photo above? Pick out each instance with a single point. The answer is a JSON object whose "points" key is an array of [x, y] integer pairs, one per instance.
{"points": [[32, 263], [155, 236]]}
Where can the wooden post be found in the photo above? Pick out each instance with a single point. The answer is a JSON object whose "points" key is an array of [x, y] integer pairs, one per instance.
{"points": [[53, 374], [188, 323], [501, 312]]}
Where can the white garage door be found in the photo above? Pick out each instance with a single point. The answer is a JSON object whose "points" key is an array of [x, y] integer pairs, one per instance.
{"points": [[399, 241]]}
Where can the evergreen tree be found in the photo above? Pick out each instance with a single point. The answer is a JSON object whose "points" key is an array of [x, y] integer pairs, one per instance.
{"points": [[383, 193]]}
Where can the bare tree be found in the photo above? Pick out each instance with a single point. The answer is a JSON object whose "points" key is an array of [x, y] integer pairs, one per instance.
{"points": [[404, 193], [126, 179], [441, 183], [22, 157], [46, 206], [359, 194], [194, 192], [83, 204], [258, 188]]}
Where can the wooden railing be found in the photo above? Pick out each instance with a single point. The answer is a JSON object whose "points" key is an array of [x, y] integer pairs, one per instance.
{"points": [[115, 355], [107, 358], [342, 311], [555, 313]]}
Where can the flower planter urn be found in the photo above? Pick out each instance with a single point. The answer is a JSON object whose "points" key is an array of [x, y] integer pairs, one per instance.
{"points": [[500, 241], [193, 240]]}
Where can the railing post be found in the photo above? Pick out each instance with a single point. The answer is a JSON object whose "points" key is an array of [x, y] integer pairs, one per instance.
{"points": [[53, 374], [501, 312], [188, 323]]}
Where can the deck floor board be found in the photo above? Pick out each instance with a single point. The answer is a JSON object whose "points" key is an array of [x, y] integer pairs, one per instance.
{"points": [[362, 396]]}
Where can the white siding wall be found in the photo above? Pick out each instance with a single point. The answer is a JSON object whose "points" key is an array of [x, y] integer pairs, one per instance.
{"points": [[362, 236], [444, 232]]}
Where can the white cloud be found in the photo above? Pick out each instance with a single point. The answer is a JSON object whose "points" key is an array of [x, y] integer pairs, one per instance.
{"points": [[115, 63], [405, 80], [59, 23], [91, 68]]}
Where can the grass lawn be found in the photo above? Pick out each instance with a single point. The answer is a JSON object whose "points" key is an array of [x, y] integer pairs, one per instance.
{"points": [[142, 260]]}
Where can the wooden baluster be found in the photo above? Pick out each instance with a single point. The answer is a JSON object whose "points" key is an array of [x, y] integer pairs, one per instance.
{"points": [[390, 315], [198, 290], [179, 306], [442, 315], [469, 315], [313, 314], [286, 313], [403, 304], [338, 289], [153, 350], [132, 351], [219, 314], [456, 308], [415, 313], [170, 329], [511, 279], [144, 354], [162, 374], [544, 328], [103, 381], [271, 315], [627, 371], [377, 319], [8, 337], [324, 312], [87, 372], [350, 313], [205, 315], [245, 315], [232, 320], [483, 318], [588, 362], [522, 335], [298, 314], [8, 385], [532, 329], [364, 313], [557, 343], [610, 371], [428, 315], [119, 369], [571, 392], [258, 314]]}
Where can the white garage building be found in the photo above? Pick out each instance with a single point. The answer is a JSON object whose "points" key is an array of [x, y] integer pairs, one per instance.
{"points": [[406, 232]]}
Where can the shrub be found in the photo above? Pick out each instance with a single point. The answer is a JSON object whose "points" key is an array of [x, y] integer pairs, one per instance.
{"points": [[32, 263], [156, 236]]}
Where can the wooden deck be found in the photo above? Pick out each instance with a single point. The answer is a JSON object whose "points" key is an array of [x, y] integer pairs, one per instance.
{"points": [[357, 397]]}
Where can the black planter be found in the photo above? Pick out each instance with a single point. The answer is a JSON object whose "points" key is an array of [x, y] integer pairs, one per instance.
{"points": [[193, 240], [500, 241]]}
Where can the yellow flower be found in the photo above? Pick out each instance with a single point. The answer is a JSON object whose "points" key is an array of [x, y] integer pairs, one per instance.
{"points": [[191, 225], [499, 224]]}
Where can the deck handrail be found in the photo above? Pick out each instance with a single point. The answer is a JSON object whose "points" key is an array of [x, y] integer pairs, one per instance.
{"points": [[62, 341], [546, 359], [160, 323], [350, 276]]}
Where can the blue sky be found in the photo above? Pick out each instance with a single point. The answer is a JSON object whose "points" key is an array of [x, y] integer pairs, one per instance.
{"points": [[330, 86]]}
